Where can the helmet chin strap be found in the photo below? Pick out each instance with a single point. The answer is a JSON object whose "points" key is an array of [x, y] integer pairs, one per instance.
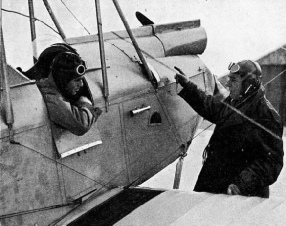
{"points": [[250, 83], [248, 88]]}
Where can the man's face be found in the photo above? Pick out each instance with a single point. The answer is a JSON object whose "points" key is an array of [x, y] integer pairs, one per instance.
{"points": [[74, 86], [234, 85]]}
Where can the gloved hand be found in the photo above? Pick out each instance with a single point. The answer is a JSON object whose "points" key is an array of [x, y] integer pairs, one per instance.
{"points": [[181, 78], [233, 190]]}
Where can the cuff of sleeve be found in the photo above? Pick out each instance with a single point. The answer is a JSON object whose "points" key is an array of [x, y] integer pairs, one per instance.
{"points": [[95, 111], [187, 89]]}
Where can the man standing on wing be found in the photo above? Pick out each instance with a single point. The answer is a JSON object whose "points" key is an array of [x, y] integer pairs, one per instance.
{"points": [[245, 153]]}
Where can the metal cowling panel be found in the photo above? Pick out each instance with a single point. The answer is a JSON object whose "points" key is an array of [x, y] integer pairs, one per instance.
{"points": [[150, 46], [145, 31], [184, 42]]}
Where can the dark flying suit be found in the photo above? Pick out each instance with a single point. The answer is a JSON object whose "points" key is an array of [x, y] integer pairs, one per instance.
{"points": [[239, 152]]}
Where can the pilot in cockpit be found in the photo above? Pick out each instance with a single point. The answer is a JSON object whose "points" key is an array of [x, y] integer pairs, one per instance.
{"points": [[67, 105]]}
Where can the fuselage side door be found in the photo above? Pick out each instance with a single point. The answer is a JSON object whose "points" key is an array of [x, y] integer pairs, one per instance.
{"points": [[151, 143]]}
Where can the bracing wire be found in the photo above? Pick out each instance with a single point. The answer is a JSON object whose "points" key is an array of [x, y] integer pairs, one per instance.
{"points": [[21, 14], [36, 210], [275, 77], [81, 174], [36, 19], [75, 17]]}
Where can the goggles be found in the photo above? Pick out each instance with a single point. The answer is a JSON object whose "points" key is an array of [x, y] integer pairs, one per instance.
{"points": [[233, 67], [80, 70]]}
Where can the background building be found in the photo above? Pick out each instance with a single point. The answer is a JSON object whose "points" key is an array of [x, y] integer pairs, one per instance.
{"points": [[274, 77], [273, 67]]}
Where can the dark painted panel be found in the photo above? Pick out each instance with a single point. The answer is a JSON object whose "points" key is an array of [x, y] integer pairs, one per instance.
{"points": [[116, 208]]}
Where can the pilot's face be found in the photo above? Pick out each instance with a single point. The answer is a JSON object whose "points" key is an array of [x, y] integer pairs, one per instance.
{"points": [[74, 86], [234, 85]]}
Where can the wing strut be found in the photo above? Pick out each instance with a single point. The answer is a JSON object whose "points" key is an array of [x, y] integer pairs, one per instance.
{"points": [[9, 117], [33, 28], [179, 167], [102, 55], [52, 15], [138, 50]]}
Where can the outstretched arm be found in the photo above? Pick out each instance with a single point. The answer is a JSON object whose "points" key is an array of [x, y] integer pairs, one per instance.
{"points": [[205, 105]]}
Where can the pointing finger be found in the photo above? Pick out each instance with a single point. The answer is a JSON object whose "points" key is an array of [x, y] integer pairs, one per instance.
{"points": [[179, 70]]}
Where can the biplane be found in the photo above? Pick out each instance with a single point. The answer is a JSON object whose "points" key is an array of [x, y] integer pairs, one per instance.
{"points": [[50, 176]]}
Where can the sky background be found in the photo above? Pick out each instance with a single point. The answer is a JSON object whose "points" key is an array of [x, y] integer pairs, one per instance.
{"points": [[236, 30]]}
